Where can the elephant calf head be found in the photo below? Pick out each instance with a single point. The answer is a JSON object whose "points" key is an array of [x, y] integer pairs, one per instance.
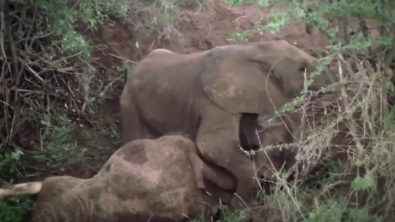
{"points": [[259, 77], [289, 66]]}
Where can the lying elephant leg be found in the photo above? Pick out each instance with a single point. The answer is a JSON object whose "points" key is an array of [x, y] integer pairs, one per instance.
{"points": [[218, 143]]}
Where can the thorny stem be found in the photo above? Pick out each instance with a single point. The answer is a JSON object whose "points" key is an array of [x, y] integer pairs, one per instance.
{"points": [[350, 120], [7, 30], [315, 49], [3, 57], [343, 30], [364, 29]]}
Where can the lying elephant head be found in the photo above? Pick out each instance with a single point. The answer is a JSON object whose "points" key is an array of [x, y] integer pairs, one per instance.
{"points": [[283, 130], [280, 133], [258, 77], [259, 133]]}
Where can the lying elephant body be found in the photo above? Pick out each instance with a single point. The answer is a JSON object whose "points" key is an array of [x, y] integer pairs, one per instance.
{"points": [[145, 180], [205, 94]]}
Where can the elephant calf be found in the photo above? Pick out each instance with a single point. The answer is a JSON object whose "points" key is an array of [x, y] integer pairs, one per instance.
{"points": [[209, 92], [144, 180]]}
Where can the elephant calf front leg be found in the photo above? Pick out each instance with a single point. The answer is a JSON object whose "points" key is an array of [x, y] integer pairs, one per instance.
{"points": [[201, 170], [219, 144]]}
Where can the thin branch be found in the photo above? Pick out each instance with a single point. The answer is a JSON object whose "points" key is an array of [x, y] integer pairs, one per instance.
{"points": [[31, 70], [11, 43], [350, 120]]}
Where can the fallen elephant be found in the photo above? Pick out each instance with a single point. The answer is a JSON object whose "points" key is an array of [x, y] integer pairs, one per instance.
{"points": [[144, 180], [208, 93]]}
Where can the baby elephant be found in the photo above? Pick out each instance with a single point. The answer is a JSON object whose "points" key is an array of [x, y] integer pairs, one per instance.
{"points": [[144, 180]]}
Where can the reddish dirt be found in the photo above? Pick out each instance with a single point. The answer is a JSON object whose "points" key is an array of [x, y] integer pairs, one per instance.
{"points": [[214, 27]]}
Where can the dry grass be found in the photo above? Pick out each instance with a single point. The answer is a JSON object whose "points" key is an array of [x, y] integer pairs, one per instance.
{"points": [[345, 137]]}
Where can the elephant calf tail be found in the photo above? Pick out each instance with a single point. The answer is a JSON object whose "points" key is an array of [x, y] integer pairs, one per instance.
{"points": [[22, 188]]}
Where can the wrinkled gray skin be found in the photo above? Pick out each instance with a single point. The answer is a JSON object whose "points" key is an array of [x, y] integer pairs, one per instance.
{"points": [[204, 95], [144, 180]]}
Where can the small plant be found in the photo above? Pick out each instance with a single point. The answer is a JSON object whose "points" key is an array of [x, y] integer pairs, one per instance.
{"points": [[241, 37]]}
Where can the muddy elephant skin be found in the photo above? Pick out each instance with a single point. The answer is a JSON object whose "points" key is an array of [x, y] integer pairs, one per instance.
{"points": [[144, 180], [205, 94]]}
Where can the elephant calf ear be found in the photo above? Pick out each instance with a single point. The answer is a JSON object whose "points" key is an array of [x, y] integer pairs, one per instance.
{"points": [[234, 86]]}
